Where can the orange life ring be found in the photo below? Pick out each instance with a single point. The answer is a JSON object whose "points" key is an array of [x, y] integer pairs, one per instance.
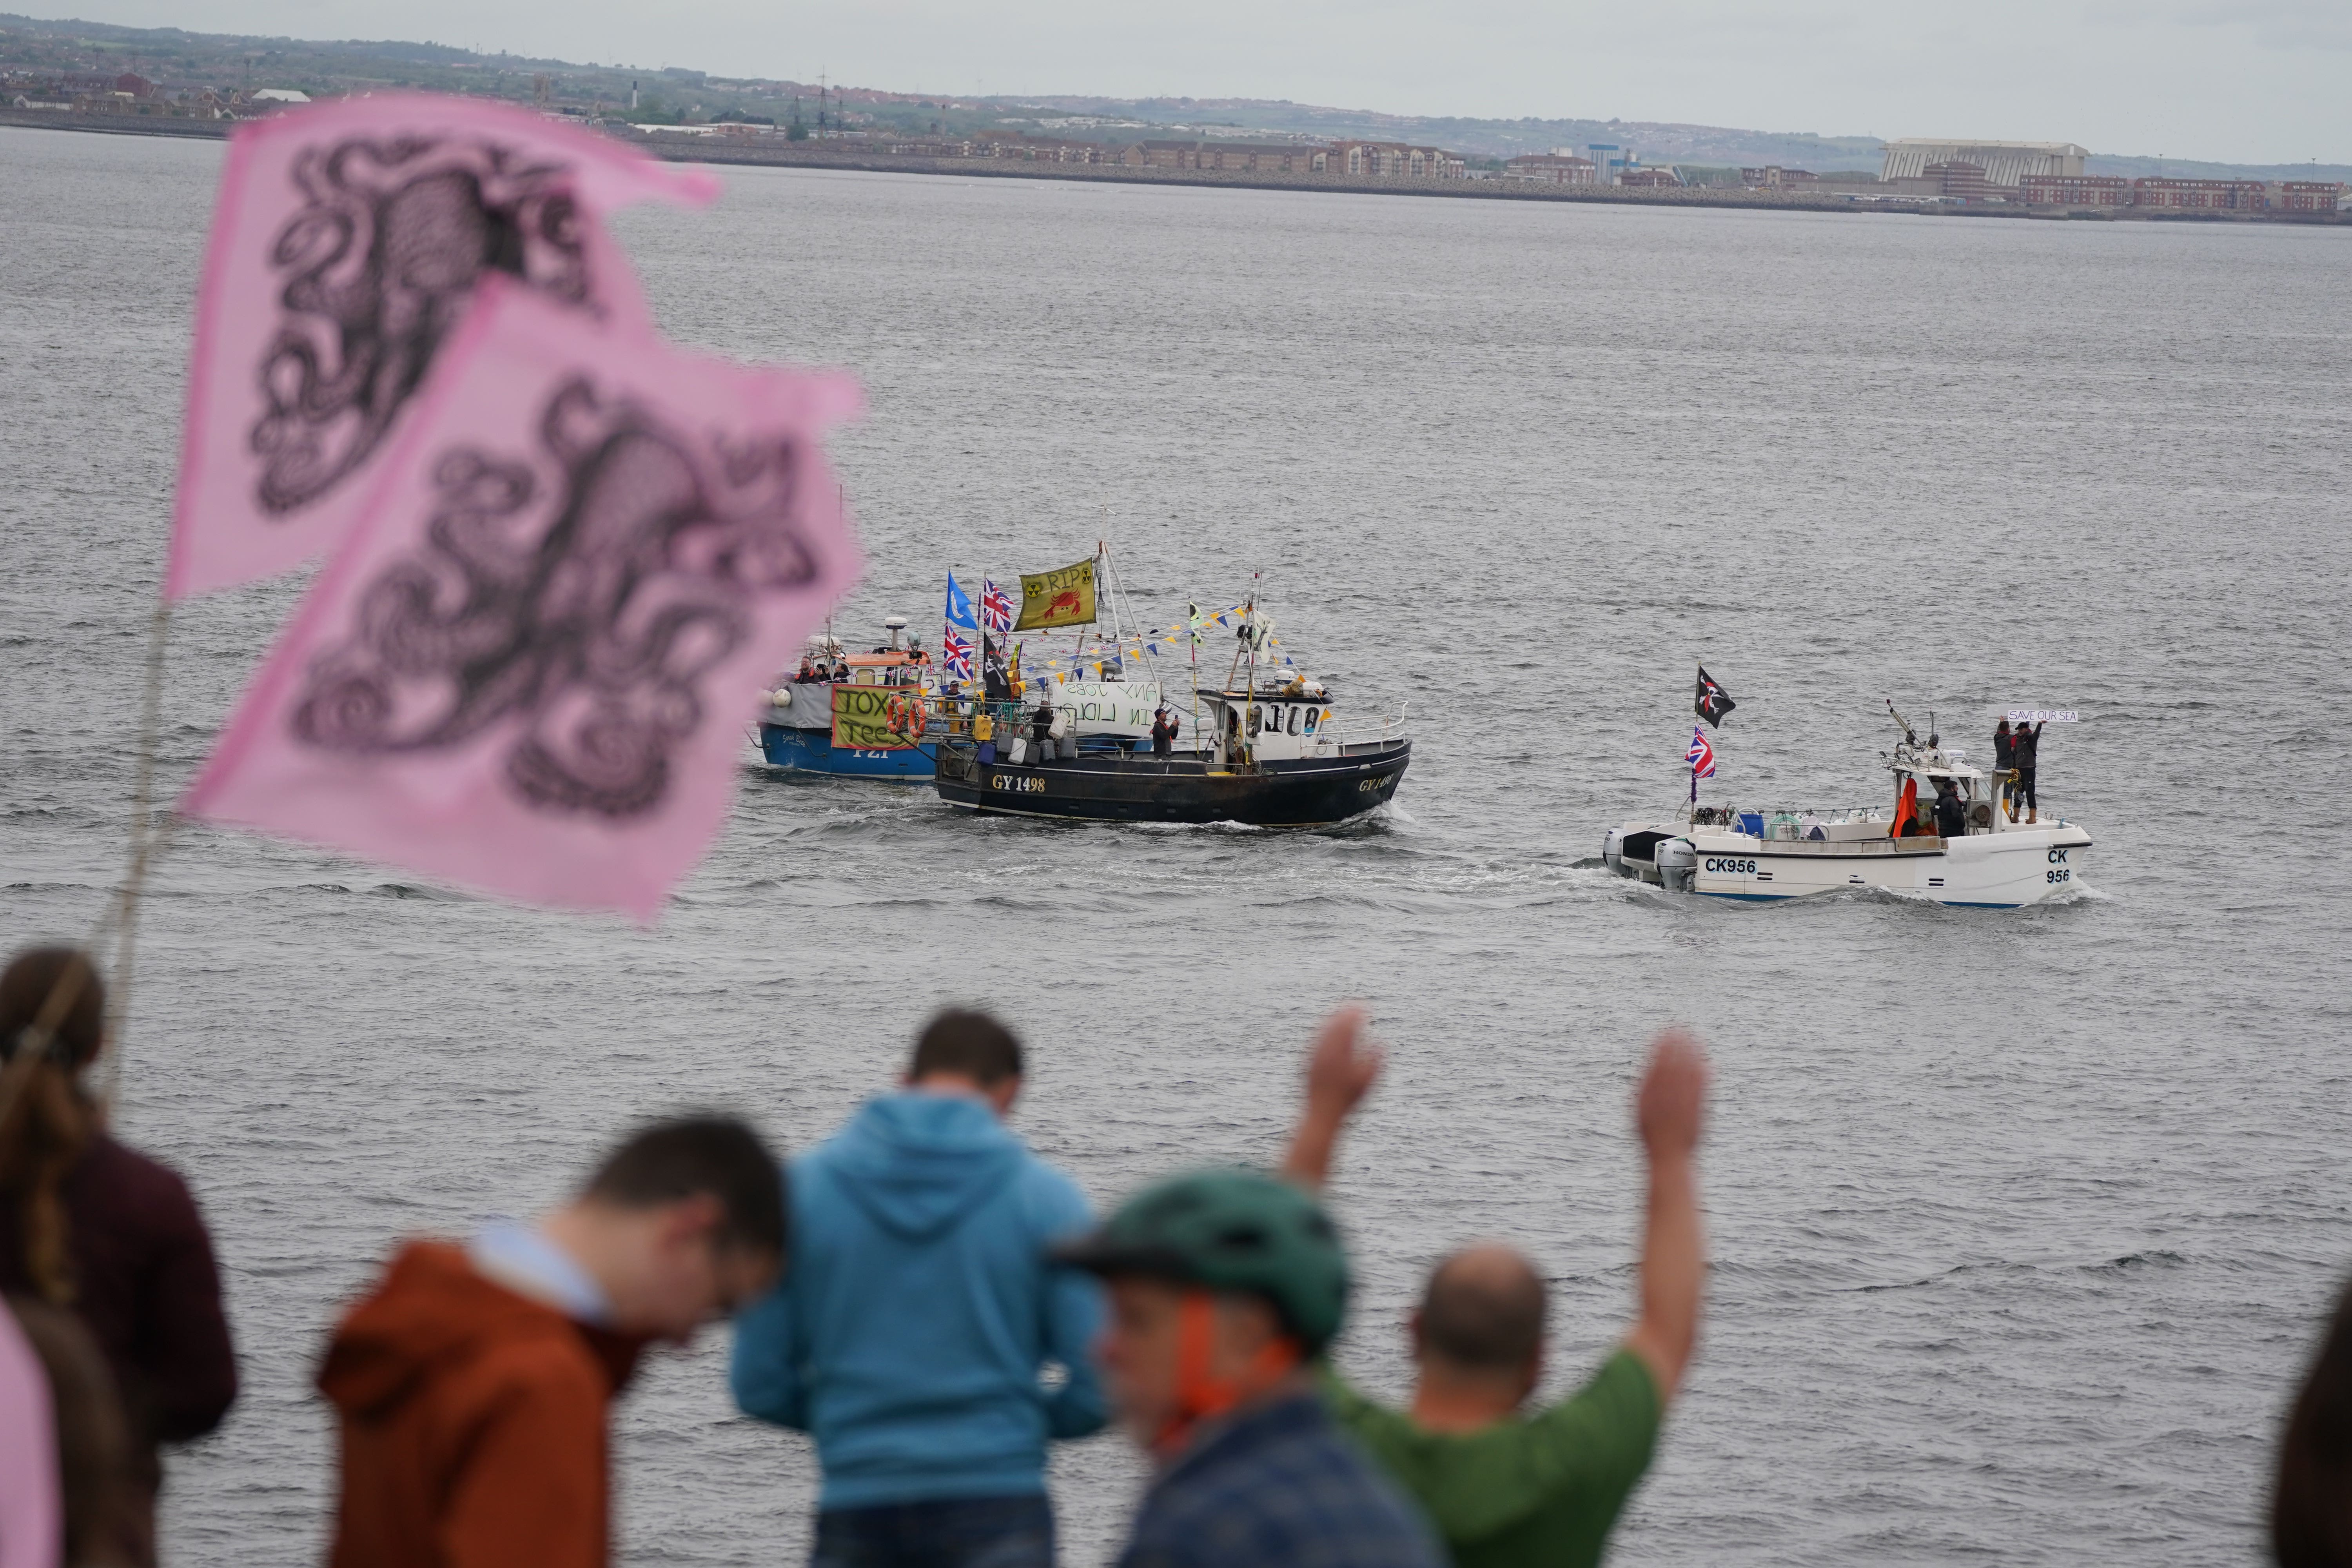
{"points": [[917, 717], [894, 708]]}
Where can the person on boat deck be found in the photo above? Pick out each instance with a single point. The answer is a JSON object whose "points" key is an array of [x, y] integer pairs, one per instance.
{"points": [[1041, 723], [1163, 732], [2028, 740], [808, 669], [2004, 762], [911, 1338], [1951, 815], [983, 734], [1505, 1487]]}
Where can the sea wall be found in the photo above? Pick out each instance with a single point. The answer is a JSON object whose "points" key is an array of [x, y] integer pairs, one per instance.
{"points": [[777, 152]]}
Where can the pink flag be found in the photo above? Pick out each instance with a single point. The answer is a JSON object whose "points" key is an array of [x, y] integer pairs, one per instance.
{"points": [[345, 243], [529, 668]]}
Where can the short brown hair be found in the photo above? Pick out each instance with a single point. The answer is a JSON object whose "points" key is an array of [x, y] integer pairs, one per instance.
{"points": [[1483, 1311], [967, 1043], [691, 1155]]}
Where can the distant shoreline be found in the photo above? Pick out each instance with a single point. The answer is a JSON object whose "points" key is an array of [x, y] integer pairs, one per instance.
{"points": [[822, 155]]}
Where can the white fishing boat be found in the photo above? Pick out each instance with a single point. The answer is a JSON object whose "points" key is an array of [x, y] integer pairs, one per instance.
{"points": [[1969, 850]]}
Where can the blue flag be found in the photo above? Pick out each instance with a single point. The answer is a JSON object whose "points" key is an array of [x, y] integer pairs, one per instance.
{"points": [[959, 608]]}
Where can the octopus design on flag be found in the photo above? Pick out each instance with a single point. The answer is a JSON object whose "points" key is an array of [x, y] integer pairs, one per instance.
{"points": [[378, 266], [582, 615]]}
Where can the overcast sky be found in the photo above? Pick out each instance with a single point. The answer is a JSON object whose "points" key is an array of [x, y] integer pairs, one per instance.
{"points": [[2238, 80]]}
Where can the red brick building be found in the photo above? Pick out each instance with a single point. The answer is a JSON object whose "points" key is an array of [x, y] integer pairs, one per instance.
{"points": [[1650, 179], [2075, 191], [1775, 178], [1263, 157], [2308, 196], [2232, 195], [1551, 168]]}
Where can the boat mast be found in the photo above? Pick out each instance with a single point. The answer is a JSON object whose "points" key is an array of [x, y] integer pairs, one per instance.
{"points": [[1249, 711]]}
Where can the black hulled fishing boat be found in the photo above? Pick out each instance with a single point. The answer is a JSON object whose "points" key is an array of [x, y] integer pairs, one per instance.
{"points": [[1269, 756]]}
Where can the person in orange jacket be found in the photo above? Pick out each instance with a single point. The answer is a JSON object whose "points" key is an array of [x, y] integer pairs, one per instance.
{"points": [[474, 1384]]}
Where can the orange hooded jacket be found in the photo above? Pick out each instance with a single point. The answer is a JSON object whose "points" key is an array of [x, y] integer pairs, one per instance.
{"points": [[473, 1424]]}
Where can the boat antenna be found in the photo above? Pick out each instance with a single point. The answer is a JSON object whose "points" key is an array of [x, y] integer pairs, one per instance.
{"points": [[1901, 722]]}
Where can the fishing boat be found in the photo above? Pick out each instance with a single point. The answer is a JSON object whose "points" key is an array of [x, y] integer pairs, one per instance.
{"points": [[1265, 751], [834, 714], [1994, 862]]}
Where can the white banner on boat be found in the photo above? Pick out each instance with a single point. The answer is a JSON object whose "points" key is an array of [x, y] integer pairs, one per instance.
{"points": [[1122, 707], [2042, 716]]}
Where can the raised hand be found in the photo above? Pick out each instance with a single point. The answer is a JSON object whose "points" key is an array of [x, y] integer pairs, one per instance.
{"points": [[1670, 1108], [1341, 1067]]}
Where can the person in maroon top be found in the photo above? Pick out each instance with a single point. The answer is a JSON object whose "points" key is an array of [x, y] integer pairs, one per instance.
{"points": [[89, 1225]]}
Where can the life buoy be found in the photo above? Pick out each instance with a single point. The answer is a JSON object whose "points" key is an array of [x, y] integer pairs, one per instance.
{"points": [[894, 711], [917, 716]]}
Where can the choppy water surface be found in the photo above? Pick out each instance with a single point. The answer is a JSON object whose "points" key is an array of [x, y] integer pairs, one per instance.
{"points": [[2023, 1222]]}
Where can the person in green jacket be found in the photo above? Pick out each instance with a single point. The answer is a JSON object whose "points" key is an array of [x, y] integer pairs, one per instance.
{"points": [[1505, 1487]]}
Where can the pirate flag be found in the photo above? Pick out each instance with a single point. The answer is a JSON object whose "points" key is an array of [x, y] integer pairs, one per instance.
{"points": [[1713, 702]]}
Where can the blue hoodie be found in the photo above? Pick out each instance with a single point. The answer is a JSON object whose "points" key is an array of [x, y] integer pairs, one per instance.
{"points": [[908, 1332]]}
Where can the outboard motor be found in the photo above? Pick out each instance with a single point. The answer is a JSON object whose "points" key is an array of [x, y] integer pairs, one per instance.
{"points": [[1612, 851], [1677, 863]]}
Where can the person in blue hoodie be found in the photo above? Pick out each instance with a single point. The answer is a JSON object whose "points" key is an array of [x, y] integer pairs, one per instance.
{"points": [[917, 1333]]}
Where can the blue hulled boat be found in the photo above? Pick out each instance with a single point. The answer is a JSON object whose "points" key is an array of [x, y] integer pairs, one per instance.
{"points": [[796, 731]]}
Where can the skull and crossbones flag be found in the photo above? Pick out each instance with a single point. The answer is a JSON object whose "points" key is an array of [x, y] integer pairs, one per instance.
{"points": [[1713, 702]]}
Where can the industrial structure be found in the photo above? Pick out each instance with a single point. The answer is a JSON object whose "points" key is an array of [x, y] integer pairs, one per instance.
{"points": [[2005, 164]]}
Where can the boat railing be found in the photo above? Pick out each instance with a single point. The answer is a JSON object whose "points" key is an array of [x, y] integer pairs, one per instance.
{"points": [[1345, 732], [1784, 824]]}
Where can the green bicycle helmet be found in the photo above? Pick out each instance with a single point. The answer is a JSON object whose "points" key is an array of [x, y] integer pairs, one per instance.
{"points": [[1230, 1231]]}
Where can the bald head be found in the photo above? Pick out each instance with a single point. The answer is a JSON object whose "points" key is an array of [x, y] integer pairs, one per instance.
{"points": [[1484, 1311]]}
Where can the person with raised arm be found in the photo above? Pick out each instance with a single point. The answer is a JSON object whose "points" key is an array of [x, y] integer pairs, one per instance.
{"points": [[1504, 1487]]}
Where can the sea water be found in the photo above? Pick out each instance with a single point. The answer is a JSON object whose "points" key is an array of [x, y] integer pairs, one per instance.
{"points": [[2023, 1223]]}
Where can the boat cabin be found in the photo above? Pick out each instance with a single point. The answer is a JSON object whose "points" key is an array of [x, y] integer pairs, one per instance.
{"points": [[1922, 770], [1281, 725]]}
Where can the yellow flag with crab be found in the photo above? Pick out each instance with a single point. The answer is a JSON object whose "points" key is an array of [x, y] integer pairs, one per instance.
{"points": [[1062, 598]]}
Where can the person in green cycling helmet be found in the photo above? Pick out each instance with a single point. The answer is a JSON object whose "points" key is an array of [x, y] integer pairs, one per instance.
{"points": [[1224, 1285]]}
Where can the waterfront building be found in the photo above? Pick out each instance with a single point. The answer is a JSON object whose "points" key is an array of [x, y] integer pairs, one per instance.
{"points": [[1609, 161], [2004, 164], [1394, 159], [1772, 177], [1264, 157], [1551, 168], [2075, 191], [2227, 196], [1959, 181], [1653, 179], [2308, 196]]}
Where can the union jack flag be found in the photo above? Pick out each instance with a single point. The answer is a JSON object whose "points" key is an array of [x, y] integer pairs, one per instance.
{"points": [[955, 655], [1701, 756], [995, 609]]}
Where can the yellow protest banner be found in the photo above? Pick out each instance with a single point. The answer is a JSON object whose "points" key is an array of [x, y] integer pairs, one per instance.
{"points": [[1064, 598], [873, 718]]}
